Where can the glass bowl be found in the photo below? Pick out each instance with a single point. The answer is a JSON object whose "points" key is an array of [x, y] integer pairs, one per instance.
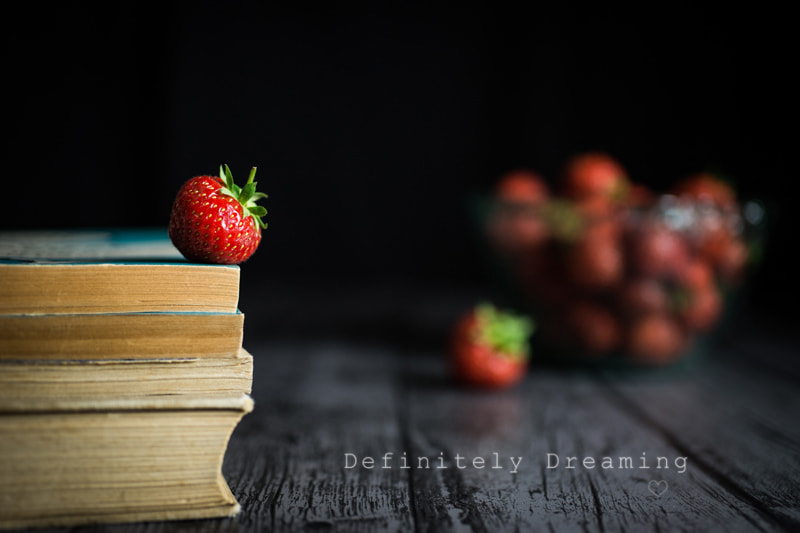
{"points": [[646, 282]]}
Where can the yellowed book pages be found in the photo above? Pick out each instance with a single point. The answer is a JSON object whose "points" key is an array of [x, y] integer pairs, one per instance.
{"points": [[117, 288], [120, 336], [24, 382], [119, 270], [76, 462]]}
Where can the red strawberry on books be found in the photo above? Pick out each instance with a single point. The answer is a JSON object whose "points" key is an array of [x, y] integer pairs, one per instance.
{"points": [[215, 221]]}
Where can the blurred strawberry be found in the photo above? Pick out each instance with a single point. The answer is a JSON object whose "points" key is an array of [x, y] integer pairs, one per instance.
{"points": [[697, 301], [596, 260], [516, 221], [699, 308], [565, 219], [642, 296], [657, 252], [595, 175], [655, 339], [490, 347], [732, 262], [522, 186], [707, 187], [595, 208], [640, 196], [711, 241], [696, 274], [595, 329]]}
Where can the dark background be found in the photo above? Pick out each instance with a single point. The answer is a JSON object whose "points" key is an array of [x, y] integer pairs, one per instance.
{"points": [[372, 125]]}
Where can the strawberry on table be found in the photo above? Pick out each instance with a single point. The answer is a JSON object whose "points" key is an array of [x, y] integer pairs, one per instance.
{"points": [[214, 220], [490, 347]]}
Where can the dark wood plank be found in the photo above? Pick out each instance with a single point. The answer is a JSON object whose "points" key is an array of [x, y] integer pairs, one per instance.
{"points": [[314, 404], [737, 422], [565, 414], [318, 400]]}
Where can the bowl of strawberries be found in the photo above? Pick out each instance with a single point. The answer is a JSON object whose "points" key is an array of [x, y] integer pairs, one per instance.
{"points": [[614, 271]]}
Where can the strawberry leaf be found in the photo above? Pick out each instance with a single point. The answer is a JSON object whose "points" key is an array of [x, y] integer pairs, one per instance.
{"points": [[506, 332], [235, 189], [247, 192], [247, 196]]}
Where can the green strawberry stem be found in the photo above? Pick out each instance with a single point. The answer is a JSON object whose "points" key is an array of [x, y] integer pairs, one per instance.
{"points": [[246, 196], [504, 331]]}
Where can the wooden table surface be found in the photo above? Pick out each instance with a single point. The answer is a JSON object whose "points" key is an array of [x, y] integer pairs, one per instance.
{"points": [[721, 441]]}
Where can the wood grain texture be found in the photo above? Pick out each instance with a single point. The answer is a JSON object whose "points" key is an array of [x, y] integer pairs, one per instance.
{"points": [[321, 402], [573, 418], [738, 423], [315, 401]]}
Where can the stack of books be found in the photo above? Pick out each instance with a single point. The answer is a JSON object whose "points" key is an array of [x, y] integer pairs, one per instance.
{"points": [[122, 378]]}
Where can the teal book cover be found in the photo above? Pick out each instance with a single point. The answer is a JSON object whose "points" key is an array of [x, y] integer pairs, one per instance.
{"points": [[89, 245]]}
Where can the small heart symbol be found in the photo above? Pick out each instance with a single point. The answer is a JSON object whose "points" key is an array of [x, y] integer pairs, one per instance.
{"points": [[657, 487]]}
